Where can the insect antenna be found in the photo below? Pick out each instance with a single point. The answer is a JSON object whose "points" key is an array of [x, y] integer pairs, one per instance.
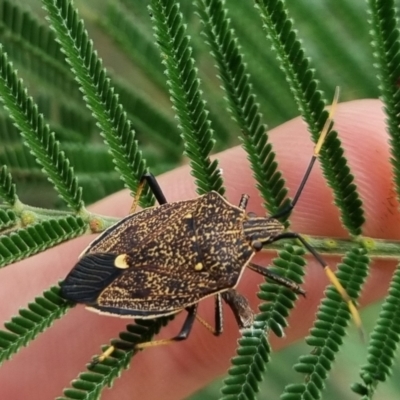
{"points": [[317, 149], [331, 276], [293, 235]]}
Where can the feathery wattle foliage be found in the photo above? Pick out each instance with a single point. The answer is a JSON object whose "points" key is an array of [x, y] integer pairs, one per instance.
{"points": [[161, 55]]}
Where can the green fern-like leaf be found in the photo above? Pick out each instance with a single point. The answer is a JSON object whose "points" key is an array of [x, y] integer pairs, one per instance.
{"points": [[99, 95], [385, 337], [309, 100], [7, 187], [242, 103], [31, 321], [384, 342], [41, 141], [386, 40], [278, 301], [31, 44], [8, 219], [254, 351], [329, 328], [89, 385], [35, 238], [136, 40], [248, 366], [185, 94]]}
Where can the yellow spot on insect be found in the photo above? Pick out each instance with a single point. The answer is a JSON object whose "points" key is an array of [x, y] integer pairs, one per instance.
{"points": [[121, 262], [199, 266], [188, 216]]}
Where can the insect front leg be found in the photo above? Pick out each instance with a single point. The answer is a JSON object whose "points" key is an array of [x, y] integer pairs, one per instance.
{"points": [[151, 180]]}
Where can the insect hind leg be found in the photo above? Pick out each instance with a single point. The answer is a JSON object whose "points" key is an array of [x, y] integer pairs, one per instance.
{"points": [[182, 335]]}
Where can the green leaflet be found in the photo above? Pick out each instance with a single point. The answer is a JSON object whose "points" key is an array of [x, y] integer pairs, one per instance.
{"points": [[35, 238], [38, 316], [384, 342], [253, 352], [385, 36], [242, 103], [303, 85], [41, 140], [185, 94], [89, 385], [7, 187], [99, 95], [326, 337], [8, 219], [31, 46]]}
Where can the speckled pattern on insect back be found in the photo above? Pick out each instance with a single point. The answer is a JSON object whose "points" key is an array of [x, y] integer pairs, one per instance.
{"points": [[178, 253]]}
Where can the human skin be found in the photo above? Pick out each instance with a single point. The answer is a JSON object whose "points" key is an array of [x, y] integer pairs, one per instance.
{"points": [[40, 371]]}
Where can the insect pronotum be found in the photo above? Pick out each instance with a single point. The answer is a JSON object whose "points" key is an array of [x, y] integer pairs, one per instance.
{"points": [[165, 259]]}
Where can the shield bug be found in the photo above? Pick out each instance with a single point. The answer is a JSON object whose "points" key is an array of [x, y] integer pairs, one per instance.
{"points": [[166, 259]]}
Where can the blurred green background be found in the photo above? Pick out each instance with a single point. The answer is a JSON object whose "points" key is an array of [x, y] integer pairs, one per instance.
{"points": [[335, 35]]}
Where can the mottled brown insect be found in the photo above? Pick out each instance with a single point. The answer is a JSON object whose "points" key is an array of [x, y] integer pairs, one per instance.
{"points": [[165, 259]]}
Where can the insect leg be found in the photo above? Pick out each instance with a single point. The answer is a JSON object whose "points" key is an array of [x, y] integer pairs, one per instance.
{"points": [[219, 318], [182, 335], [280, 280], [98, 359], [331, 276], [238, 304], [243, 201], [154, 187], [317, 149], [240, 307], [150, 179]]}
